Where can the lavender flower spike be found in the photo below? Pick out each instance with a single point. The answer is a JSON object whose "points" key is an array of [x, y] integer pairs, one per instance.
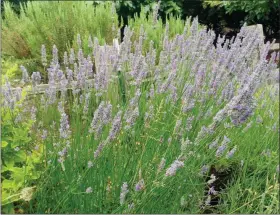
{"points": [[99, 149], [223, 147], [171, 171], [64, 129], [231, 152], [116, 126], [124, 191], [140, 185], [204, 169]]}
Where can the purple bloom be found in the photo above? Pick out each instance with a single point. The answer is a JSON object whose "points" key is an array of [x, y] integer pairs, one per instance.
{"points": [[185, 144], [212, 191], [55, 55], [221, 150], [140, 185], [98, 114], [213, 144], [177, 126], [64, 129], [116, 126], [231, 152], [171, 171], [69, 75], [189, 123], [222, 147], [99, 149], [107, 114], [204, 169], [132, 117]]}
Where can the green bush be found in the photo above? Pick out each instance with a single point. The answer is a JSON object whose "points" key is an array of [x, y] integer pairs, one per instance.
{"points": [[20, 164], [52, 23], [264, 12], [56, 23], [155, 30]]}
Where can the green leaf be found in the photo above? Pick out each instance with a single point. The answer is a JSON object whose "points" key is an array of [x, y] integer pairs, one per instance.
{"points": [[20, 156], [4, 144], [8, 184], [18, 177], [7, 198], [35, 174], [9, 163], [8, 209], [14, 145]]}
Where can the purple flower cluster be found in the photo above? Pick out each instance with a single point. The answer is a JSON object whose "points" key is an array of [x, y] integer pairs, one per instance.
{"points": [[10, 98], [221, 149], [116, 126], [102, 116], [64, 129], [231, 152], [179, 85], [99, 149], [140, 185], [171, 171]]}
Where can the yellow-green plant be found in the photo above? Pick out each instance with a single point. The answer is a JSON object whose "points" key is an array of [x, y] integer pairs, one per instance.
{"points": [[20, 165], [56, 23]]}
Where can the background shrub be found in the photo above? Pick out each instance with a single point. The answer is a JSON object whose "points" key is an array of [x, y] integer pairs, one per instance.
{"points": [[52, 23]]}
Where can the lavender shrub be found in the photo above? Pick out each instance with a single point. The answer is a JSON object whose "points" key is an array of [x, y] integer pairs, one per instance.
{"points": [[162, 111]]}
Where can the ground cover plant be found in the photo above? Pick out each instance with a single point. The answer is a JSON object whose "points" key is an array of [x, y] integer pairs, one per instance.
{"points": [[171, 124]]}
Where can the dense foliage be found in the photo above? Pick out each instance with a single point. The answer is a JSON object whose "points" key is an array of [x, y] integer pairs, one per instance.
{"points": [[220, 15], [264, 12], [160, 122], [54, 23], [59, 23]]}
